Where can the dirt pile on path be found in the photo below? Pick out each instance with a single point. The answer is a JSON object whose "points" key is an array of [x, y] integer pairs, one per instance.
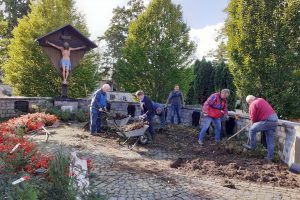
{"points": [[243, 169]]}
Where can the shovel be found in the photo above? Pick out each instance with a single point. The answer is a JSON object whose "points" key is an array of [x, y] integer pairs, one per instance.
{"points": [[236, 133]]}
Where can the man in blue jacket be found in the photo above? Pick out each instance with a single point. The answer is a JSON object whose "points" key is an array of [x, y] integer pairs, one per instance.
{"points": [[148, 111], [98, 105]]}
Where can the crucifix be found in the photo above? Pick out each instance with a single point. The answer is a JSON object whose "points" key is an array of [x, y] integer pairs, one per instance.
{"points": [[65, 47]]}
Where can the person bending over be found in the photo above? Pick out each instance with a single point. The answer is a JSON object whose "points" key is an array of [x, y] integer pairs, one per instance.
{"points": [[147, 110], [98, 105], [263, 118]]}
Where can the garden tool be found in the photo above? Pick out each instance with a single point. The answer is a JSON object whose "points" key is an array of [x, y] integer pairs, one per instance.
{"points": [[237, 133]]}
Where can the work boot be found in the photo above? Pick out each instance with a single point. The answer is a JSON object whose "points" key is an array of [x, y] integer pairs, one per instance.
{"points": [[247, 146], [201, 142]]}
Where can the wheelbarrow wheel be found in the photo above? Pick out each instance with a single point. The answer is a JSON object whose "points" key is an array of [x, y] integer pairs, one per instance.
{"points": [[144, 139]]}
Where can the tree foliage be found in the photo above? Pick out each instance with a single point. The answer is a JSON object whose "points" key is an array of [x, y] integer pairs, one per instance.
{"points": [[117, 32], [12, 11], [156, 52], [224, 79], [263, 47], [204, 81], [29, 70], [210, 77]]}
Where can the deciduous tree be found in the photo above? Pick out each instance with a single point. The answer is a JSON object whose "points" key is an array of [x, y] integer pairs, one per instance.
{"points": [[263, 47], [117, 32], [156, 52]]}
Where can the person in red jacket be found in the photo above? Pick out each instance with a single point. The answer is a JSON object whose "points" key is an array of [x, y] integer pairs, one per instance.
{"points": [[213, 109], [263, 118]]}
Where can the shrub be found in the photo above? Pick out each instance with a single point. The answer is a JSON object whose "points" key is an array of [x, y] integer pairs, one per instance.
{"points": [[82, 115]]}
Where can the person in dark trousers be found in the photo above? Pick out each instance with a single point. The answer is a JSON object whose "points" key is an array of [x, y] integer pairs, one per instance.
{"points": [[98, 105], [263, 119], [147, 111], [175, 98], [213, 109], [160, 112]]}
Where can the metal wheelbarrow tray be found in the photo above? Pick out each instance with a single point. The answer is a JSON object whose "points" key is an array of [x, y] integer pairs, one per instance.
{"points": [[117, 122], [137, 133]]}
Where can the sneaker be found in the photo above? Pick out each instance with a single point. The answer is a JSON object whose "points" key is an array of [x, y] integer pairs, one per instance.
{"points": [[201, 142], [95, 134], [246, 146]]}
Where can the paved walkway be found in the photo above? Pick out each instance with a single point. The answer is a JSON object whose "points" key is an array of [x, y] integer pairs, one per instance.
{"points": [[145, 174]]}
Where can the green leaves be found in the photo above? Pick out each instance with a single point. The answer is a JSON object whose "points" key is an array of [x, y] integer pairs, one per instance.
{"points": [[156, 52], [29, 70], [263, 51]]}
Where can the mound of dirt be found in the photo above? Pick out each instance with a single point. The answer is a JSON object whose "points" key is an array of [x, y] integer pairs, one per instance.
{"points": [[251, 170], [222, 161], [134, 126]]}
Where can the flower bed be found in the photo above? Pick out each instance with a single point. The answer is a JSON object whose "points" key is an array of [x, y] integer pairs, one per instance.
{"points": [[16, 152], [21, 160], [26, 123]]}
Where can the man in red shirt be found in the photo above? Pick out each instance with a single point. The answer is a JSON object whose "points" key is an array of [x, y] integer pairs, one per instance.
{"points": [[263, 118]]}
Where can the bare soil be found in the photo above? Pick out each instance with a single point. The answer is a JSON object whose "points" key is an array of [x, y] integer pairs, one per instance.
{"points": [[226, 161]]}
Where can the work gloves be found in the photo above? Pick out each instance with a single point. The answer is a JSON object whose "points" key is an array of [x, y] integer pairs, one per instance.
{"points": [[142, 117]]}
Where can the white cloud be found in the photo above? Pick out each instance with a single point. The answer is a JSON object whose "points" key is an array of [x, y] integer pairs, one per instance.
{"points": [[205, 39], [98, 14]]}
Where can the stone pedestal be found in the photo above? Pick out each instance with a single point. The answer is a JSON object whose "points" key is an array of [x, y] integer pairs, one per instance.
{"points": [[66, 104], [64, 90]]}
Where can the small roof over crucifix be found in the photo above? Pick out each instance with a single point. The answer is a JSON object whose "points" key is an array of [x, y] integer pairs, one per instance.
{"points": [[65, 34]]}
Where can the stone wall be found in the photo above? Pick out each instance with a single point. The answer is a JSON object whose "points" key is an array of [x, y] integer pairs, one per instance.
{"points": [[9, 105]]}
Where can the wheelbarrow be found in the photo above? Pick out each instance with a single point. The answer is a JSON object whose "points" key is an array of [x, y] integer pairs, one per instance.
{"points": [[139, 135], [117, 122]]}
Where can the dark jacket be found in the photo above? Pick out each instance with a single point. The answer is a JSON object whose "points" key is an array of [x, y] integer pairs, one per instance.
{"points": [[147, 106], [156, 107], [98, 100], [175, 98]]}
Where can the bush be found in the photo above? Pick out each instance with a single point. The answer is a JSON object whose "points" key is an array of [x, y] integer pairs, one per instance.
{"points": [[64, 116], [82, 116]]}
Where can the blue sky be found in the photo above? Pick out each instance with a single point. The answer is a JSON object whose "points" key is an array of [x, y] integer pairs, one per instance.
{"points": [[205, 18], [201, 13]]}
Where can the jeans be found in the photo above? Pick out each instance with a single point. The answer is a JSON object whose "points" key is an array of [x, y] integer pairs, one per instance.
{"points": [[206, 122], [175, 109], [150, 123], [268, 127], [95, 123], [162, 119]]}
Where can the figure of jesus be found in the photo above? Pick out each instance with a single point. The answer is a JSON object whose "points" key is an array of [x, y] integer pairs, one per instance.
{"points": [[65, 61]]}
